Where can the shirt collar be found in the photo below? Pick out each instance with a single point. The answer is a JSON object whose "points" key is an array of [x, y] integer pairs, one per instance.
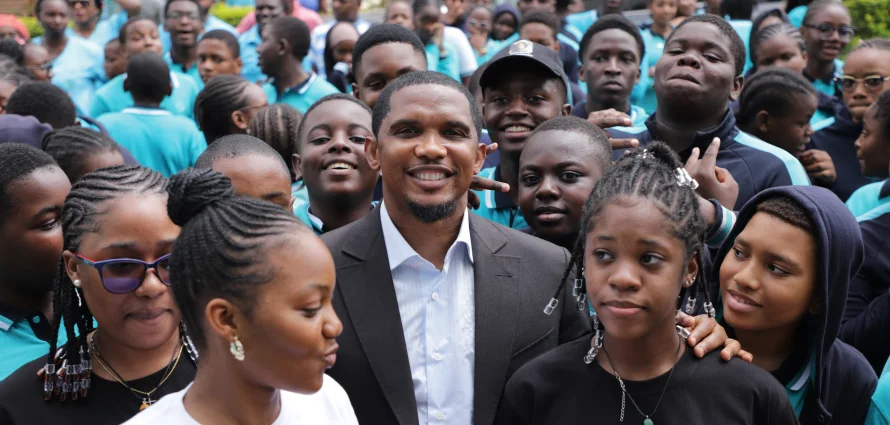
{"points": [[397, 248], [726, 131], [301, 88], [137, 110], [9, 315]]}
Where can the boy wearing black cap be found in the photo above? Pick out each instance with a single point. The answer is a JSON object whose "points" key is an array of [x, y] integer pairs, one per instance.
{"points": [[522, 86]]}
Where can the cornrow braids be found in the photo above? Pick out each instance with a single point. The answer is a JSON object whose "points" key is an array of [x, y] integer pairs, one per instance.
{"points": [[768, 33], [820, 5], [774, 90], [221, 250], [80, 215], [277, 126], [214, 105], [72, 146], [874, 43], [882, 111], [652, 174]]}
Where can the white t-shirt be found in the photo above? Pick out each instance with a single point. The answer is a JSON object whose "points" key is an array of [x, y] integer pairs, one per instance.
{"points": [[456, 38], [329, 406]]}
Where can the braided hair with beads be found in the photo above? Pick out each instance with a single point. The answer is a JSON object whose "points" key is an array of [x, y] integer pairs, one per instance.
{"points": [[277, 126], [67, 372], [656, 174], [222, 248], [72, 146]]}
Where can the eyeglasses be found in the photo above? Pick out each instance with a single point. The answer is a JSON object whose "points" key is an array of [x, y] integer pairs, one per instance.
{"points": [[826, 30], [125, 275], [47, 67], [83, 3], [477, 23], [872, 83], [175, 16]]}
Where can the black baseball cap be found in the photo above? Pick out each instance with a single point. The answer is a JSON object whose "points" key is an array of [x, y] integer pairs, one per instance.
{"points": [[522, 54]]}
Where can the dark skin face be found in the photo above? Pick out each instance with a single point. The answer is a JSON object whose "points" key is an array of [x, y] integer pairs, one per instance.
{"points": [[557, 172], [517, 103], [343, 37], [826, 50], [428, 149], [697, 73], [540, 34], [332, 151], [54, 17], [267, 10], [84, 12], [38, 62], [382, 64], [781, 51], [258, 177], [790, 130], [32, 232], [142, 36], [425, 22], [525, 6], [270, 51], [861, 64], [184, 30], [504, 26], [611, 68], [346, 10], [115, 60], [400, 13], [872, 148], [215, 58]]}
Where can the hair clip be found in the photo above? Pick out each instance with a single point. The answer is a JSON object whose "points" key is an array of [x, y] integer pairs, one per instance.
{"points": [[684, 179], [646, 154]]}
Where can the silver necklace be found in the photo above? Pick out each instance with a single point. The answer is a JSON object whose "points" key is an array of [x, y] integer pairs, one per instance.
{"points": [[646, 418]]}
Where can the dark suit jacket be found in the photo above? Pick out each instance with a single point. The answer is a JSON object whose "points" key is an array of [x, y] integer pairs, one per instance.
{"points": [[515, 276]]}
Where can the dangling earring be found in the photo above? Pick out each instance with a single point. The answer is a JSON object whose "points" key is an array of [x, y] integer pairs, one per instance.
{"points": [[237, 349], [597, 342], [76, 283], [578, 292]]}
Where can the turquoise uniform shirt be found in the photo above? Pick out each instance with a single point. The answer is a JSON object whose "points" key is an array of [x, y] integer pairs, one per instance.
{"points": [[827, 85], [192, 71], [112, 97], [497, 206], [157, 139], [301, 209], [79, 70], [581, 21], [743, 29], [879, 412], [644, 92], [302, 96], [23, 338], [448, 65], [250, 68], [106, 30], [492, 47], [869, 197], [795, 16]]}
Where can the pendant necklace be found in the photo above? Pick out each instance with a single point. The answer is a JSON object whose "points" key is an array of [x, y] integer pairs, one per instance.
{"points": [[646, 418]]}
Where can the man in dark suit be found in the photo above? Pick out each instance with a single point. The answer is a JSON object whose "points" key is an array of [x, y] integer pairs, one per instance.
{"points": [[439, 306]]}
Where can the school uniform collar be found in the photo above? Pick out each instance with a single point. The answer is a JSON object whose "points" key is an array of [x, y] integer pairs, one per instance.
{"points": [[828, 79], [10, 315], [300, 89], [39, 324], [141, 110], [726, 131], [169, 58]]}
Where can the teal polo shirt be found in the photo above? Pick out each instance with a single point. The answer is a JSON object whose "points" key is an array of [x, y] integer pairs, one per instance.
{"points": [[192, 70], [869, 197], [302, 96], [497, 206], [23, 338], [157, 139], [879, 412], [112, 97]]}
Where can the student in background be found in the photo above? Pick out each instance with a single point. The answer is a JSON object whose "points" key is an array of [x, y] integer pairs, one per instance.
{"points": [[339, 182], [873, 153], [80, 151], [115, 59], [568, 48], [77, 63], [338, 55], [399, 12], [827, 29], [542, 27], [218, 54], [32, 191], [227, 105], [864, 79], [298, 10], [137, 36], [564, 8], [611, 52], [184, 24], [796, 10], [44, 101], [285, 44], [561, 163], [781, 45], [237, 315], [505, 23], [12, 27], [430, 29], [11, 77], [276, 125], [254, 169], [35, 59], [158, 139], [205, 18], [88, 22], [662, 12], [784, 275], [120, 320], [479, 22], [380, 56], [776, 106], [344, 11], [266, 10]]}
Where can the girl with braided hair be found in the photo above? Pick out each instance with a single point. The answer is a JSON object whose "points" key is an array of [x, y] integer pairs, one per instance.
{"points": [[112, 300], [638, 262], [80, 151], [227, 105], [254, 286], [277, 126]]}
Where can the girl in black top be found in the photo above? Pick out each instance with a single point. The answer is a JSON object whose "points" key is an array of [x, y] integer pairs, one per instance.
{"points": [[641, 253], [113, 271]]}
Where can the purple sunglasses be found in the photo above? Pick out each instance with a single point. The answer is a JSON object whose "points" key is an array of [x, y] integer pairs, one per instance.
{"points": [[124, 275]]}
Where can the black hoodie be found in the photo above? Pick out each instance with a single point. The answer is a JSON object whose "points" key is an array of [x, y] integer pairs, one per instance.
{"points": [[841, 389]]}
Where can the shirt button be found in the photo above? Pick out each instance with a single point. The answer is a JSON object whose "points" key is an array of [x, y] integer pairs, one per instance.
{"points": [[437, 356], [36, 319], [440, 416], [435, 296]]}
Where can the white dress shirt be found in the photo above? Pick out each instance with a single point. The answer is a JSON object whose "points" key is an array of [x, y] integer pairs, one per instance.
{"points": [[438, 313]]}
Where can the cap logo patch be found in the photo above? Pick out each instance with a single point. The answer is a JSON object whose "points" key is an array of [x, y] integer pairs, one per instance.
{"points": [[521, 47]]}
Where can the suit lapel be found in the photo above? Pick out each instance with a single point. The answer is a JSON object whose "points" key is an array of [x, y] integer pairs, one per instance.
{"points": [[370, 298], [497, 297]]}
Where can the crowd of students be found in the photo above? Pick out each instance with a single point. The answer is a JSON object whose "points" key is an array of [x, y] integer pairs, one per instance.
{"points": [[468, 213]]}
